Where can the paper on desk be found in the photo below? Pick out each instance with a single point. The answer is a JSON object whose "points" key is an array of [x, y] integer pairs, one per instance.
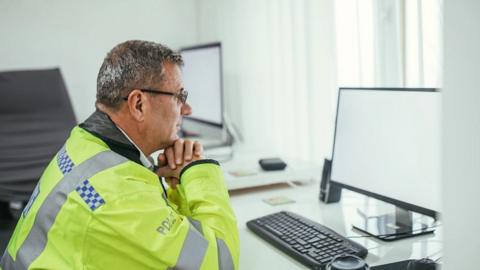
{"points": [[242, 172], [278, 200]]}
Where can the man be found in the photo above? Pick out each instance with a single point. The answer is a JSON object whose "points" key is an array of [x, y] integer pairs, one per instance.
{"points": [[99, 205]]}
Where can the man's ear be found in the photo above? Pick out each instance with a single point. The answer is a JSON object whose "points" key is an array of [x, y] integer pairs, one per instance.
{"points": [[136, 105]]}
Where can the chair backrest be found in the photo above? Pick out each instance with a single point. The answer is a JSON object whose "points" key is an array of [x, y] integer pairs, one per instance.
{"points": [[36, 117]]}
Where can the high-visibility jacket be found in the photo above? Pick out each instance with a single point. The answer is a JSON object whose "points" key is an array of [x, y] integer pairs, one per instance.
{"points": [[95, 209]]}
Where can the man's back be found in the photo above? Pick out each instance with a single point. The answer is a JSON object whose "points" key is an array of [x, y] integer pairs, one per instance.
{"points": [[99, 204], [116, 219]]}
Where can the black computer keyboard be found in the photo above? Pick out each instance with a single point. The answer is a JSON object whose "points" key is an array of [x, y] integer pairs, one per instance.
{"points": [[306, 241]]}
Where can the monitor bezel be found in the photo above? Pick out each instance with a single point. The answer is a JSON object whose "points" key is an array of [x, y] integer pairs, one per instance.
{"points": [[222, 99], [396, 202]]}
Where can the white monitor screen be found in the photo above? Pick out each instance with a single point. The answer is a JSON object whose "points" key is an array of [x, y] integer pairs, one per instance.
{"points": [[202, 78], [387, 142]]}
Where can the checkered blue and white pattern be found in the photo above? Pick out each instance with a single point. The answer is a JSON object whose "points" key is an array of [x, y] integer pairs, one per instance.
{"points": [[90, 195], [64, 162]]}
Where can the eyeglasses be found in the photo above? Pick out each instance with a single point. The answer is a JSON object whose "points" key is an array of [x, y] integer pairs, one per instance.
{"points": [[182, 96]]}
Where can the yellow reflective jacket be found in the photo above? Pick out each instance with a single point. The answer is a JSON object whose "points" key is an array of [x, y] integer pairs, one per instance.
{"points": [[95, 209]]}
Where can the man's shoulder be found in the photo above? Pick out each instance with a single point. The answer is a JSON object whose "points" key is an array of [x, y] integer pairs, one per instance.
{"points": [[127, 179], [81, 145]]}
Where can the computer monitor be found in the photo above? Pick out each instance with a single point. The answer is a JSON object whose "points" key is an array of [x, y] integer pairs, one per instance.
{"points": [[387, 146], [202, 78]]}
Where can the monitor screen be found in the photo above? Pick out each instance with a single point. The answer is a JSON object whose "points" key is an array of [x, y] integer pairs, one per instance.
{"points": [[387, 145], [202, 78]]}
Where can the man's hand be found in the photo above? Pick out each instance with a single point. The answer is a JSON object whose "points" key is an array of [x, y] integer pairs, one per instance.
{"points": [[183, 152], [176, 157]]}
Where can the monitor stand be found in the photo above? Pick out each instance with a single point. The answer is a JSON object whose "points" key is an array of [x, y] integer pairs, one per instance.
{"points": [[394, 226]]}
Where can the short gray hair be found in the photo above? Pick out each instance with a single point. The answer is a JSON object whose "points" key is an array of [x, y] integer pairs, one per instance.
{"points": [[131, 64]]}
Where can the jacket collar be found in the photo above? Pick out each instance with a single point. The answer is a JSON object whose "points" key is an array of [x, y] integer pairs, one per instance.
{"points": [[100, 125]]}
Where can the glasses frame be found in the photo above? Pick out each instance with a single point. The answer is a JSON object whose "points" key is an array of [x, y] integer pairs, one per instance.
{"points": [[182, 96]]}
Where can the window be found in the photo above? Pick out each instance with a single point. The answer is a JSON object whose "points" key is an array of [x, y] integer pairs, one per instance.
{"points": [[389, 43]]}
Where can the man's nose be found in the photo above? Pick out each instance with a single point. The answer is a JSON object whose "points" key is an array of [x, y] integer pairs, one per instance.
{"points": [[186, 109]]}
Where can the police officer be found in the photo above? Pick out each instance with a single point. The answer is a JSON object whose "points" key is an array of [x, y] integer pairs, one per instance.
{"points": [[100, 204]]}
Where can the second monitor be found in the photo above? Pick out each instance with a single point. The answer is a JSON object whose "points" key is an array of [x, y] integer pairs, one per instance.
{"points": [[202, 76]]}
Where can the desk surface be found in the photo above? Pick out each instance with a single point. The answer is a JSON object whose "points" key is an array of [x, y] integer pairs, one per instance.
{"points": [[258, 254], [243, 170]]}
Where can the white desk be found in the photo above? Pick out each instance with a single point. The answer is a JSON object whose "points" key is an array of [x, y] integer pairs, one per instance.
{"points": [[242, 169], [257, 254]]}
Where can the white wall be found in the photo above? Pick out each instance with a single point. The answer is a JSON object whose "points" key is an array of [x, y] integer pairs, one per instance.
{"points": [[76, 35], [461, 134]]}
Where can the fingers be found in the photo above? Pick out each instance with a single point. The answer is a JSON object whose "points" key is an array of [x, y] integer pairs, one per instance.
{"points": [[178, 149], [165, 171], [162, 160], [188, 154], [169, 154], [176, 157], [198, 149], [180, 153]]}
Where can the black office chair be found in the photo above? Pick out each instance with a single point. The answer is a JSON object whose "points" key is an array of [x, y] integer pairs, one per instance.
{"points": [[35, 119]]}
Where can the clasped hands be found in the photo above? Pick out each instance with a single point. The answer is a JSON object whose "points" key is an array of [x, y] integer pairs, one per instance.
{"points": [[174, 158]]}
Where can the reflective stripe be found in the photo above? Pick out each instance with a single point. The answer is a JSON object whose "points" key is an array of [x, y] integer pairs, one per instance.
{"points": [[224, 257], [7, 261], [36, 240], [193, 251], [196, 224], [225, 261]]}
